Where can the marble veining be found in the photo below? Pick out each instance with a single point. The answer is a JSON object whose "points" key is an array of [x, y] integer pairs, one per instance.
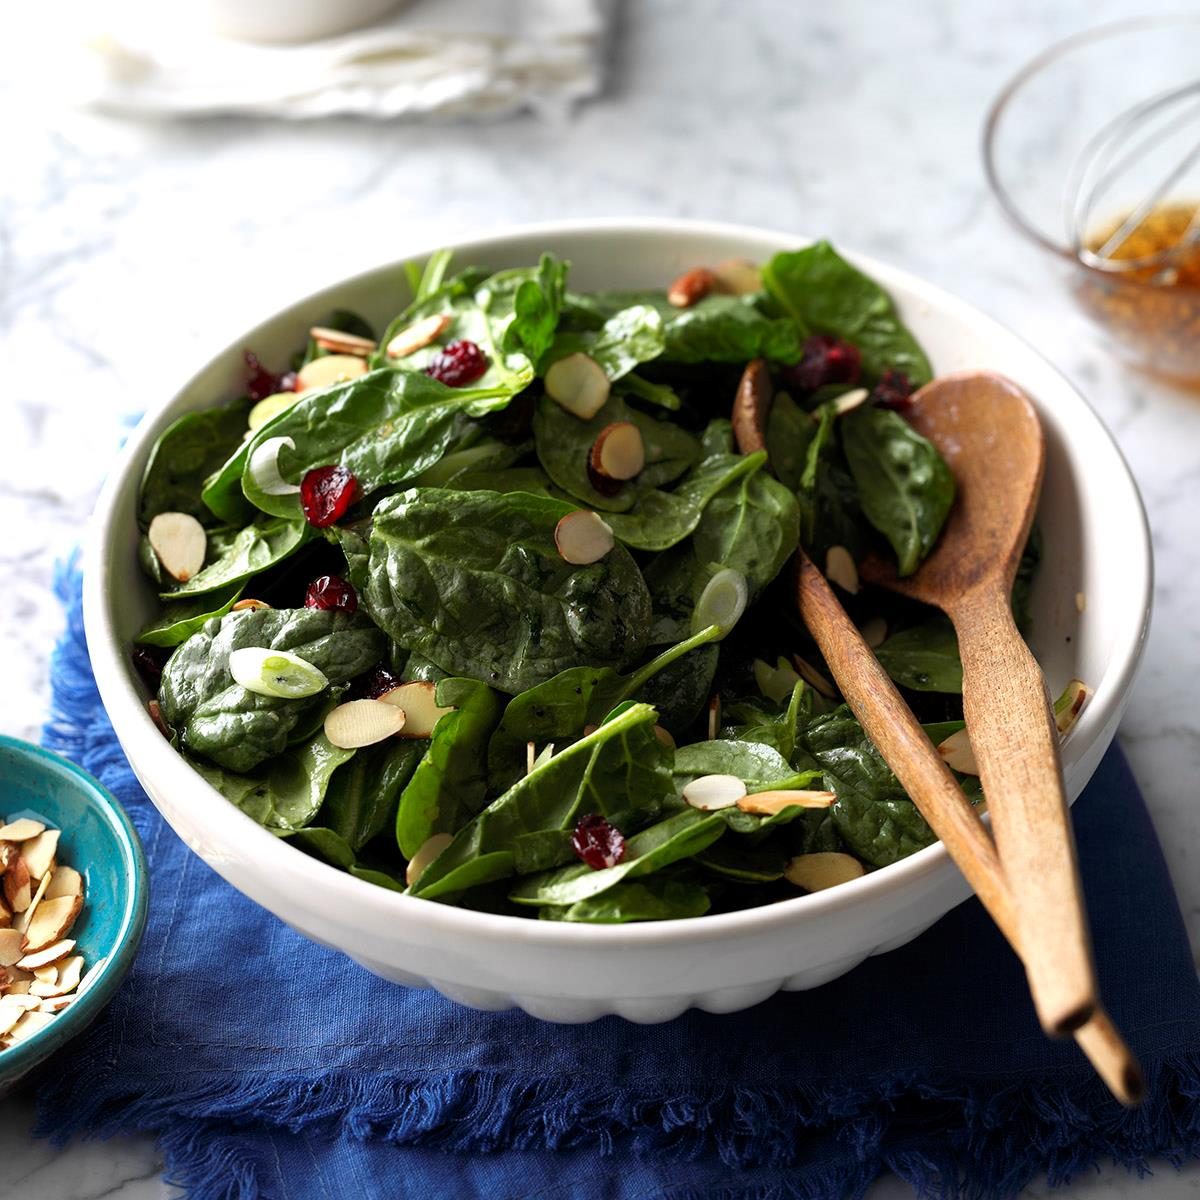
{"points": [[129, 252]]}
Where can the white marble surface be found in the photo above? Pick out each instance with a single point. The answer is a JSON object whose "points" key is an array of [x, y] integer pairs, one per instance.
{"points": [[130, 251]]}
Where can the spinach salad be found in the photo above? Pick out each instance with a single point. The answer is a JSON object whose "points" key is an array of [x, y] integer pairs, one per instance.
{"points": [[488, 607]]}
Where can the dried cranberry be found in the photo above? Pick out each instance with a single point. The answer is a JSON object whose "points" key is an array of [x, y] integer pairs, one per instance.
{"points": [[326, 493], [261, 382], [331, 591], [597, 842], [825, 360], [149, 662], [457, 363], [892, 391], [378, 683]]}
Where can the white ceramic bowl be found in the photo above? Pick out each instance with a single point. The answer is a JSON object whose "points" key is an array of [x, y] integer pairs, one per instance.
{"points": [[1097, 543]]}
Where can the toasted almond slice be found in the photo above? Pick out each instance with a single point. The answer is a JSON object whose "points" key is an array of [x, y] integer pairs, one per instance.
{"points": [[849, 401], [421, 709], [180, 543], [32, 1022], [710, 793], [39, 852], [9, 853], [55, 1004], [10, 1014], [22, 920], [70, 971], [46, 974], [93, 973], [21, 830], [18, 891], [814, 678], [1080, 602], [363, 723], [874, 631], [18, 987], [429, 850], [737, 277], [825, 869], [341, 343], [329, 369], [714, 715], [51, 922], [583, 537], [768, 803], [418, 335], [578, 384], [22, 1001], [691, 287], [775, 682], [12, 946], [841, 569], [956, 752], [5, 913], [1069, 705], [249, 605], [44, 955], [530, 756], [66, 881], [618, 451], [664, 736]]}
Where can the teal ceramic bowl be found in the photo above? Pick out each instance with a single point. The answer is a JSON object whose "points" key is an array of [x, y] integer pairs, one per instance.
{"points": [[99, 842]]}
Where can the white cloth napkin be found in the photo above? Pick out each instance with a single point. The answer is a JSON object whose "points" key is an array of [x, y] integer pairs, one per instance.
{"points": [[446, 58]]}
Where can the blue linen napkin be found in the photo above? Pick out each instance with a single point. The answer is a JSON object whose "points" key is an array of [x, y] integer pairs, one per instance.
{"points": [[270, 1067]]}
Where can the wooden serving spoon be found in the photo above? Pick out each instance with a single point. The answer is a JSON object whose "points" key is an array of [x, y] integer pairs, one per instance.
{"points": [[990, 436]]}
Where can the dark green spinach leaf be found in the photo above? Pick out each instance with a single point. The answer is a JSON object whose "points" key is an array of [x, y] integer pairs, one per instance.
{"points": [[660, 897], [236, 555], [924, 657], [177, 622]]}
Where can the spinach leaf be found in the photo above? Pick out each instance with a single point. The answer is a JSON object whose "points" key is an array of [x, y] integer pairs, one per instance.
{"points": [[500, 604], [829, 507], [681, 689], [905, 488], [790, 432], [779, 730], [661, 897], [234, 556], [177, 622], [532, 480], [324, 844], [449, 785], [734, 859], [629, 337], [186, 453], [680, 836], [486, 456], [822, 292], [653, 393], [285, 794], [564, 446], [219, 719], [620, 770], [559, 709], [758, 766], [661, 519], [537, 300], [924, 657], [384, 427], [361, 800]]}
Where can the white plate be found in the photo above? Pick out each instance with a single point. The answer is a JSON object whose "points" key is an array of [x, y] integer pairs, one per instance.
{"points": [[1096, 541]]}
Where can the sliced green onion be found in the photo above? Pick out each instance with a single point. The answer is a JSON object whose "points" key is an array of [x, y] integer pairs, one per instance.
{"points": [[264, 468], [722, 602], [276, 673]]}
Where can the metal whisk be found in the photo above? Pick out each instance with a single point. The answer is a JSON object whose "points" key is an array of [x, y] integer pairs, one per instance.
{"points": [[1158, 138]]}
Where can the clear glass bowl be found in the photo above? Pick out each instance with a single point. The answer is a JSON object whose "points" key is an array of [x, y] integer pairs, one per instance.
{"points": [[1042, 130]]}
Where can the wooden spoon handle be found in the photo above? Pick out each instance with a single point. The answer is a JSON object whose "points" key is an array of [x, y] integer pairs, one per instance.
{"points": [[898, 736], [1015, 743]]}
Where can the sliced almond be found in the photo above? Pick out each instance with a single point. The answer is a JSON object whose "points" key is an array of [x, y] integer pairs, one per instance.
{"points": [[578, 384], [691, 287], [21, 830], [429, 850], [363, 723], [93, 973], [849, 401], [22, 921], [418, 335], [665, 736], [814, 678], [32, 1022], [9, 853], [874, 631], [1080, 602], [249, 605], [775, 682], [22, 1002], [421, 709], [329, 369], [1069, 705], [841, 569], [12, 946], [710, 793], [55, 1004], [714, 715], [45, 955], [530, 756], [10, 1014], [39, 852], [18, 890], [826, 869], [768, 803], [957, 754], [5, 913], [618, 452], [70, 971], [180, 543], [47, 974], [18, 987], [583, 537], [52, 921], [66, 881], [737, 277], [341, 343]]}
